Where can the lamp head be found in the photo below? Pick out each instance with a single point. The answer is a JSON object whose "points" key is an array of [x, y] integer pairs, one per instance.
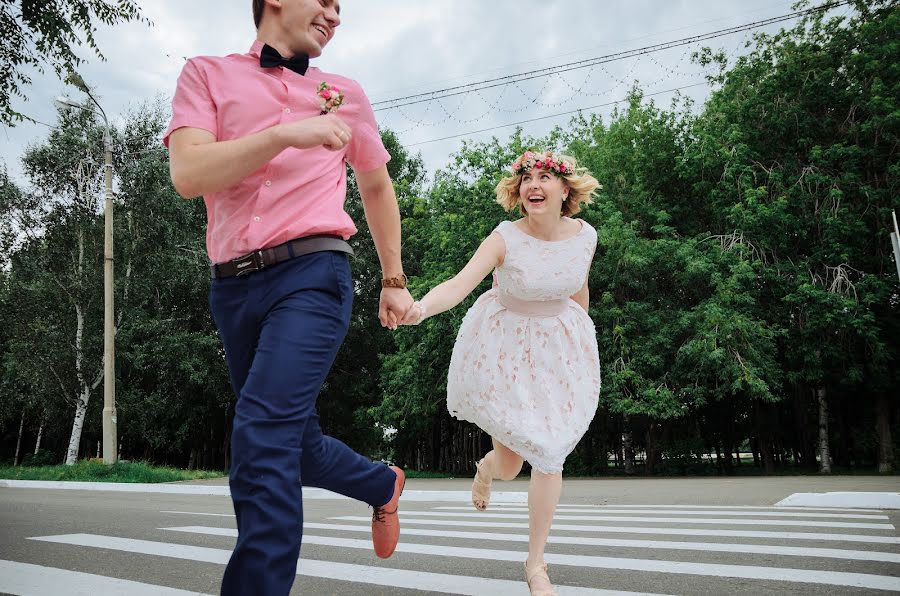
{"points": [[75, 80], [64, 102]]}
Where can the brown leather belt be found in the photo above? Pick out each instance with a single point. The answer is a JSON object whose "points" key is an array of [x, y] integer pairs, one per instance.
{"points": [[267, 257]]}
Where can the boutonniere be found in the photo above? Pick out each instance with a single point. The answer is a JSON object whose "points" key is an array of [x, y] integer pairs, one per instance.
{"points": [[330, 98]]}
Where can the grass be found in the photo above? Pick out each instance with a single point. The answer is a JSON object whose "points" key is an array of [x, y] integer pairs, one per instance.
{"points": [[97, 471], [426, 474]]}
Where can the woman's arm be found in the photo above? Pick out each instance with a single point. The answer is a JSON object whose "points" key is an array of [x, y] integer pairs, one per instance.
{"points": [[581, 296], [450, 293]]}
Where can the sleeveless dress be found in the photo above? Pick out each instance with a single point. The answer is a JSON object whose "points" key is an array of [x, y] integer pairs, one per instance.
{"points": [[525, 367]]}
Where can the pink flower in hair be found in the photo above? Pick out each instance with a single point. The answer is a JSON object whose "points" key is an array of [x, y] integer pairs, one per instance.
{"points": [[546, 160]]}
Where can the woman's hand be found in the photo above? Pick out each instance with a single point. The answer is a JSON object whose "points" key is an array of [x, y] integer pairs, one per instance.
{"points": [[415, 315]]}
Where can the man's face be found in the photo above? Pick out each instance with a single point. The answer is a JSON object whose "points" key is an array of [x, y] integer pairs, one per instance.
{"points": [[309, 24]]}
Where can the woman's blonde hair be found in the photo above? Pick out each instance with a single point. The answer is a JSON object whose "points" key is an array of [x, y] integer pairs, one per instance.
{"points": [[579, 181]]}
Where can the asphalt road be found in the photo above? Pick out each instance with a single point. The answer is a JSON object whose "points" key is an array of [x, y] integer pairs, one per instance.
{"points": [[656, 536]]}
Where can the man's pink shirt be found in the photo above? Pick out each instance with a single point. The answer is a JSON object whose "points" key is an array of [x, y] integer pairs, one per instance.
{"points": [[300, 192]]}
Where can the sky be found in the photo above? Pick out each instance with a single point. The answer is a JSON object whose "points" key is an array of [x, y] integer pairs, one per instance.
{"points": [[397, 48]]}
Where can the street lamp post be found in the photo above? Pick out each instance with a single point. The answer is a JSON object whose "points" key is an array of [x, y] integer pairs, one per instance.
{"points": [[110, 440], [895, 241]]}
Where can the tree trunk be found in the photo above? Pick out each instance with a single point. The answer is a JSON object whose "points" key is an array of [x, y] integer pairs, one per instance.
{"points": [[883, 432], [83, 387], [77, 426], [629, 451], [763, 438], [19, 440], [652, 451], [824, 451], [37, 443]]}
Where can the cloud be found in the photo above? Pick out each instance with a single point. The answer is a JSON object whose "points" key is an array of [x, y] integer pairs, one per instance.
{"points": [[407, 46]]}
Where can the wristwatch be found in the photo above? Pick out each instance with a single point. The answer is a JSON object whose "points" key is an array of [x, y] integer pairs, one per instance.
{"points": [[397, 281]]}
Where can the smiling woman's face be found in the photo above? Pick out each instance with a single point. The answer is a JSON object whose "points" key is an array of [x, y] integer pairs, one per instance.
{"points": [[542, 191]]}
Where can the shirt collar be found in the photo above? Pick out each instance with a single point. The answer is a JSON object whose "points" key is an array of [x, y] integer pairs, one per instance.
{"points": [[256, 48]]}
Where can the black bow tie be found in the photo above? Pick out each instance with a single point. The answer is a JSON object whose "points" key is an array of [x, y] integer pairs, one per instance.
{"points": [[270, 58]]}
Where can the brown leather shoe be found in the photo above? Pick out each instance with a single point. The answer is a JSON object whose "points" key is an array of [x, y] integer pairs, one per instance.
{"points": [[386, 522]]}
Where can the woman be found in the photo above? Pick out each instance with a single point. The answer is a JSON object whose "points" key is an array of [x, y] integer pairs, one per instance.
{"points": [[525, 366]]}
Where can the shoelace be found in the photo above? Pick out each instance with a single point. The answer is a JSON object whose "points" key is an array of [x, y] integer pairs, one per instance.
{"points": [[378, 513]]}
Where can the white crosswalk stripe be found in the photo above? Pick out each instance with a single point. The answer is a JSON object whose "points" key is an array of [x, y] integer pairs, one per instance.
{"points": [[769, 514], [660, 531], [518, 503], [563, 517], [25, 579], [650, 546], [828, 553], [400, 578], [835, 578]]}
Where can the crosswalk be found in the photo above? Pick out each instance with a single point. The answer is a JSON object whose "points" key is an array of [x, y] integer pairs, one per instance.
{"points": [[448, 548]]}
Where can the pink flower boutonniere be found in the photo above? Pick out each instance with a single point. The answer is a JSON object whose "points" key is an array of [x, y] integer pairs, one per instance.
{"points": [[330, 98]]}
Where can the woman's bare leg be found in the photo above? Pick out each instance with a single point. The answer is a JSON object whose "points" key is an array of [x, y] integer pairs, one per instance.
{"points": [[501, 463], [543, 496]]}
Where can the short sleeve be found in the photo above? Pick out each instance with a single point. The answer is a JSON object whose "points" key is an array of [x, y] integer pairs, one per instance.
{"points": [[366, 152], [192, 105], [504, 228], [592, 235]]}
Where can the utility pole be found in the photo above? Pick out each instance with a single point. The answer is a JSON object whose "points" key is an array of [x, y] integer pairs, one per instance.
{"points": [[110, 438]]}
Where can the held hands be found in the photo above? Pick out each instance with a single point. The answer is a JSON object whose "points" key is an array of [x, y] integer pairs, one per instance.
{"points": [[393, 306], [392, 317], [415, 315]]}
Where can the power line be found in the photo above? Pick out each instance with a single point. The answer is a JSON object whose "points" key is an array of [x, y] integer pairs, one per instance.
{"points": [[399, 102], [618, 42], [602, 105]]}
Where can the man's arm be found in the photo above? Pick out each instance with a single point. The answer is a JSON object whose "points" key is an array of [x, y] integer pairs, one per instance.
{"points": [[200, 165], [383, 216]]}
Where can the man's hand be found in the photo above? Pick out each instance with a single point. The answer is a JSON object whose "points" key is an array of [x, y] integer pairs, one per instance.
{"points": [[393, 306], [329, 131]]}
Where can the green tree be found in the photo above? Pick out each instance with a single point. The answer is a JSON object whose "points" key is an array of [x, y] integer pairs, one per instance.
{"points": [[34, 34], [796, 155]]}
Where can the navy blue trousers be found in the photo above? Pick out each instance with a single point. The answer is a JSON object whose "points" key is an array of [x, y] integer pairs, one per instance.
{"points": [[282, 328]]}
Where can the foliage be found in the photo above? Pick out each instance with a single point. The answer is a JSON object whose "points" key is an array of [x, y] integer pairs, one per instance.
{"points": [[34, 34]]}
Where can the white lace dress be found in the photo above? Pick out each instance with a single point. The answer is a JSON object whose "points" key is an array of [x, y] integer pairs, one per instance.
{"points": [[525, 366]]}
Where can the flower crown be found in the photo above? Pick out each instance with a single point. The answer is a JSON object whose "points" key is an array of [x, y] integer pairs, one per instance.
{"points": [[543, 161]]}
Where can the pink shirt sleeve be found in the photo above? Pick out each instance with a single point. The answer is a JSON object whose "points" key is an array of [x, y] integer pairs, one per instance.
{"points": [[366, 152], [192, 104]]}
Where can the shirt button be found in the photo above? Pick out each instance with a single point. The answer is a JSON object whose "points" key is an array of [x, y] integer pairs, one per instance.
{"points": [[268, 183], [287, 110], [256, 218]]}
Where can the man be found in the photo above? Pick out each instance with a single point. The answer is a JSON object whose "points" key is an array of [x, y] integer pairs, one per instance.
{"points": [[253, 135]]}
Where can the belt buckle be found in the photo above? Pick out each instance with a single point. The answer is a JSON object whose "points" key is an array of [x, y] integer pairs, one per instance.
{"points": [[248, 263]]}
